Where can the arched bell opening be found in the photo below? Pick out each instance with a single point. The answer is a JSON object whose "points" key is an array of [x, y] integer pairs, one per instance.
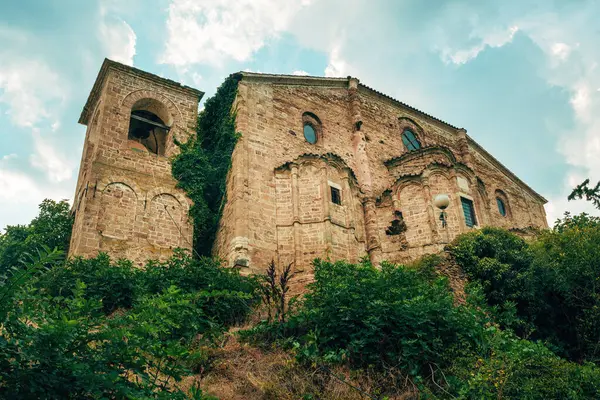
{"points": [[147, 132]]}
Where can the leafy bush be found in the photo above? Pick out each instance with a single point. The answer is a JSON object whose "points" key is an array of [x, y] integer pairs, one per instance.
{"points": [[64, 348], [547, 289], [390, 316], [498, 259], [113, 284], [378, 318], [513, 368], [405, 318], [500, 262], [51, 229], [56, 340], [228, 296], [566, 268]]}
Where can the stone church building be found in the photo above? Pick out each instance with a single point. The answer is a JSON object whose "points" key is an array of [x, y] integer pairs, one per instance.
{"points": [[325, 167]]}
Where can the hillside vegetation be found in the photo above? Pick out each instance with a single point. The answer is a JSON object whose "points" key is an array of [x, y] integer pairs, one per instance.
{"points": [[99, 328], [526, 326]]}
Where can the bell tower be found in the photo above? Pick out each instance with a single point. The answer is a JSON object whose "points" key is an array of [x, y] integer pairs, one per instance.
{"points": [[126, 202]]}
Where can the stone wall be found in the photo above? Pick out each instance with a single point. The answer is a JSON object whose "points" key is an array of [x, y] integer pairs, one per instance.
{"points": [[126, 202], [279, 189]]}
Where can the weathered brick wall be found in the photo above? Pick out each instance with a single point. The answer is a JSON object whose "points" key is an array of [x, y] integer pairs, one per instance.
{"points": [[126, 202], [278, 190]]}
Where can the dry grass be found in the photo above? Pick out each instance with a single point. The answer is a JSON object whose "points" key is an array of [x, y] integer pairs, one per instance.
{"points": [[243, 372]]}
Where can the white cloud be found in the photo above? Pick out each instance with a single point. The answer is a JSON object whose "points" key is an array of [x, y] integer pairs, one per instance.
{"points": [[581, 100], [8, 157], [15, 186], [561, 51], [337, 66], [47, 159], [212, 31], [300, 73], [196, 78], [492, 38], [20, 195], [117, 38], [574, 68], [568, 37], [28, 87]]}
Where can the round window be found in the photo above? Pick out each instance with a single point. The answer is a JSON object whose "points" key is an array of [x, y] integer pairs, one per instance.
{"points": [[310, 134]]}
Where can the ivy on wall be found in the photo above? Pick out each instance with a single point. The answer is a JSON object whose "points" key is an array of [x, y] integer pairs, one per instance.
{"points": [[202, 165]]}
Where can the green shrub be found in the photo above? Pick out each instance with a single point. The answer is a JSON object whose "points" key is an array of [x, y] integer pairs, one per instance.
{"points": [[566, 269], [396, 316], [496, 258], [547, 289], [51, 229], [114, 284], [65, 348], [56, 340], [228, 295], [513, 368], [405, 318]]}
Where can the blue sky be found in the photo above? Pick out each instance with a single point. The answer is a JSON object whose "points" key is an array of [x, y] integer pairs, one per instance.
{"points": [[522, 76]]}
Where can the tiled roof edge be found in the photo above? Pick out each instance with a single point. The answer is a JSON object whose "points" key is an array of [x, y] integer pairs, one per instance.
{"points": [[504, 169]]}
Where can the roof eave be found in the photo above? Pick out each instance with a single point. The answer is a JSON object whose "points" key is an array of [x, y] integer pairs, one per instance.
{"points": [[504, 169]]}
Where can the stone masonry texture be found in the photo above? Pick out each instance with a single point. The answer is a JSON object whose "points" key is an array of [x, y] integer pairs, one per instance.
{"points": [[126, 201], [279, 202], [279, 189]]}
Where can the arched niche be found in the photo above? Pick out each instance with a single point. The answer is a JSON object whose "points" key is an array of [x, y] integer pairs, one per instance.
{"points": [[167, 221], [118, 208], [411, 201]]}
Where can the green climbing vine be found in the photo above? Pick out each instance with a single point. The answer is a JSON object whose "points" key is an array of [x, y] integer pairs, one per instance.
{"points": [[202, 165]]}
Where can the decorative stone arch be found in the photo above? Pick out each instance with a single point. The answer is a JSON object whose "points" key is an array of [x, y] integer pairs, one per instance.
{"points": [[445, 152], [183, 201], [170, 114], [438, 169], [167, 216], [330, 158], [481, 189], [467, 172], [310, 118], [162, 107], [96, 114], [405, 181], [107, 181]]}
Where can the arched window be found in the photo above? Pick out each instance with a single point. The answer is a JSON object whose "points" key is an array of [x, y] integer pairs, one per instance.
{"points": [[502, 203], [501, 206], [410, 140], [149, 131], [311, 127]]}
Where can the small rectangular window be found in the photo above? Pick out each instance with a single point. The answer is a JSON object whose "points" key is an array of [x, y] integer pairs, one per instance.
{"points": [[335, 195], [469, 212]]}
